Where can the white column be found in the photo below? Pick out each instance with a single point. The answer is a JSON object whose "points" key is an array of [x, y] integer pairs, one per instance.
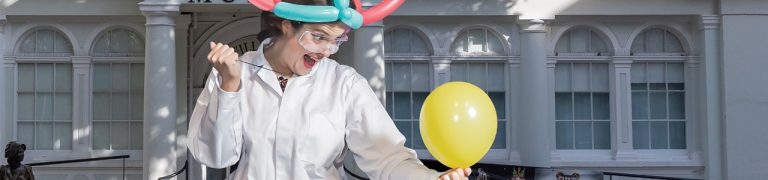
{"points": [[442, 69], [6, 104], [159, 155], [182, 58], [621, 108], [711, 129], [368, 56], [534, 113], [81, 67]]}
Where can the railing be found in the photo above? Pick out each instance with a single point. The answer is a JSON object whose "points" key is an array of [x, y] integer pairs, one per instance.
{"points": [[123, 157], [612, 174], [175, 173]]}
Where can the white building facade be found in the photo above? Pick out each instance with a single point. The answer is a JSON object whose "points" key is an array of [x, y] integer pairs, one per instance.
{"points": [[655, 87]]}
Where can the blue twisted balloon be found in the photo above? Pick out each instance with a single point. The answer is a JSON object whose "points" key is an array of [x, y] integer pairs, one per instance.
{"points": [[309, 13]]}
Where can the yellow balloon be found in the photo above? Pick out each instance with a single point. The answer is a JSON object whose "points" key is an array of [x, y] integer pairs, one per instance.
{"points": [[458, 124]]}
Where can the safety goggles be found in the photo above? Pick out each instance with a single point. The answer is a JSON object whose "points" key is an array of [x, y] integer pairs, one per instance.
{"points": [[317, 42]]}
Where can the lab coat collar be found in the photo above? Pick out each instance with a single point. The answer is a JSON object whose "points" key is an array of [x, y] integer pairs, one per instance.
{"points": [[269, 77]]}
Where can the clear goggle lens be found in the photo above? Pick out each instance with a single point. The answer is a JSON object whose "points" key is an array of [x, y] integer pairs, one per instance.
{"points": [[320, 43]]}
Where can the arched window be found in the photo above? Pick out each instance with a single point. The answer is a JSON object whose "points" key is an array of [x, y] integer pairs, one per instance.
{"points": [[44, 91], [657, 41], [119, 43], [582, 41], [118, 90], [477, 41], [582, 111], [658, 92], [405, 42]]}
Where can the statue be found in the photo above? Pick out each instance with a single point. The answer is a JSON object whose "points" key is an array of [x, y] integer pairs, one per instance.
{"points": [[14, 152]]}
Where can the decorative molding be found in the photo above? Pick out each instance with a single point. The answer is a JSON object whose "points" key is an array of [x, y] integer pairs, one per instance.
{"points": [[159, 14], [533, 26], [710, 22]]}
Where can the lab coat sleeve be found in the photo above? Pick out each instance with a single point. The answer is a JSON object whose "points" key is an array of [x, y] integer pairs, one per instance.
{"points": [[372, 137], [215, 127]]}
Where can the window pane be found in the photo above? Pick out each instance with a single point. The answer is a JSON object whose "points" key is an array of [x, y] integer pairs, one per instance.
{"points": [[137, 76], [63, 77], [500, 142], [640, 135], [63, 138], [460, 44], [28, 45], [402, 39], [639, 105], [388, 75], [390, 100], [63, 106], [600, 77], [401, 77], [581, 77], [658, 105], [120, 76], [44, 42], [600, 107], [402, 105], [563, 43], [458, 72], [659, 135], [61, 44], [44, 135], [44, 106], [476, 75], [119, 135], [675, 73], [496, 80], [676, 105], [26, 134], [418, 45], [405, 129], [418, 101], [420, 79], [655, 73], [137, 135], [657, 86], [579, 40], [499, 102], [119, 106], [563, 106], [654, 40], [564, 133], [582, 106], [101, 106], [102, 45], [598, 44], [602, 134], [639, 86], [638, 73], [477, 40], [672, 44], [100, 135], [583, 133], [418, 143], [677, 135], [26, 77], [120, 40], [137, 106], [676, 86], [638, 45], [44, 78], [562, 77], [101, 77], [26, 106]]}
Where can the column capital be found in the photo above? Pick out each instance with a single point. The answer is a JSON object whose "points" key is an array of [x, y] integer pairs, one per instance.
{"points": [[159, 9], [709, 22], [532, 25]]}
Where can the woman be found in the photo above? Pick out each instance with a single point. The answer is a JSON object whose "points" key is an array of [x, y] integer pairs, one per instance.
{"points": [[286, 111]]}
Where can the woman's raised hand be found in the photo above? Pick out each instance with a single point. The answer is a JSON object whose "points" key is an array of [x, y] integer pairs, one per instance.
{"points": [[456, 174], [224, 59]]}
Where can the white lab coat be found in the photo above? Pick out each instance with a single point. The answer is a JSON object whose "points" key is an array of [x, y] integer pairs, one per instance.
{"points": [[301, 133]]}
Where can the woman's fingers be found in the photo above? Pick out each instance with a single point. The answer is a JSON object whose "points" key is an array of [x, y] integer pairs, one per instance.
{"points": [[457, 174]]}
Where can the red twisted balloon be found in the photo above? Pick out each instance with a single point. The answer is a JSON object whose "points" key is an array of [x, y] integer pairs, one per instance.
{"points": [[373, 14], [378, 12]]}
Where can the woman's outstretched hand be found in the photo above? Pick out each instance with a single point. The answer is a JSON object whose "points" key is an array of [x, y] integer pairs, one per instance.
{"points": [[456, 174], [224, 59]]}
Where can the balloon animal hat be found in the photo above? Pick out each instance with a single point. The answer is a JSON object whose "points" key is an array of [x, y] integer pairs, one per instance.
{"points": [[340, 11]]}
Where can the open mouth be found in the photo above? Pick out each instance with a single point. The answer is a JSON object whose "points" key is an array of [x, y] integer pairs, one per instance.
{"points": [[309, 62]]}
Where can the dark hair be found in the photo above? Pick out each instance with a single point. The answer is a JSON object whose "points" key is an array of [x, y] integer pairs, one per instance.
{"points": [[270, 23]]}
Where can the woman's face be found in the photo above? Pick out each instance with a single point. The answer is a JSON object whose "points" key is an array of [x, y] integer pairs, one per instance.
{"points": [[311, 43]]}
